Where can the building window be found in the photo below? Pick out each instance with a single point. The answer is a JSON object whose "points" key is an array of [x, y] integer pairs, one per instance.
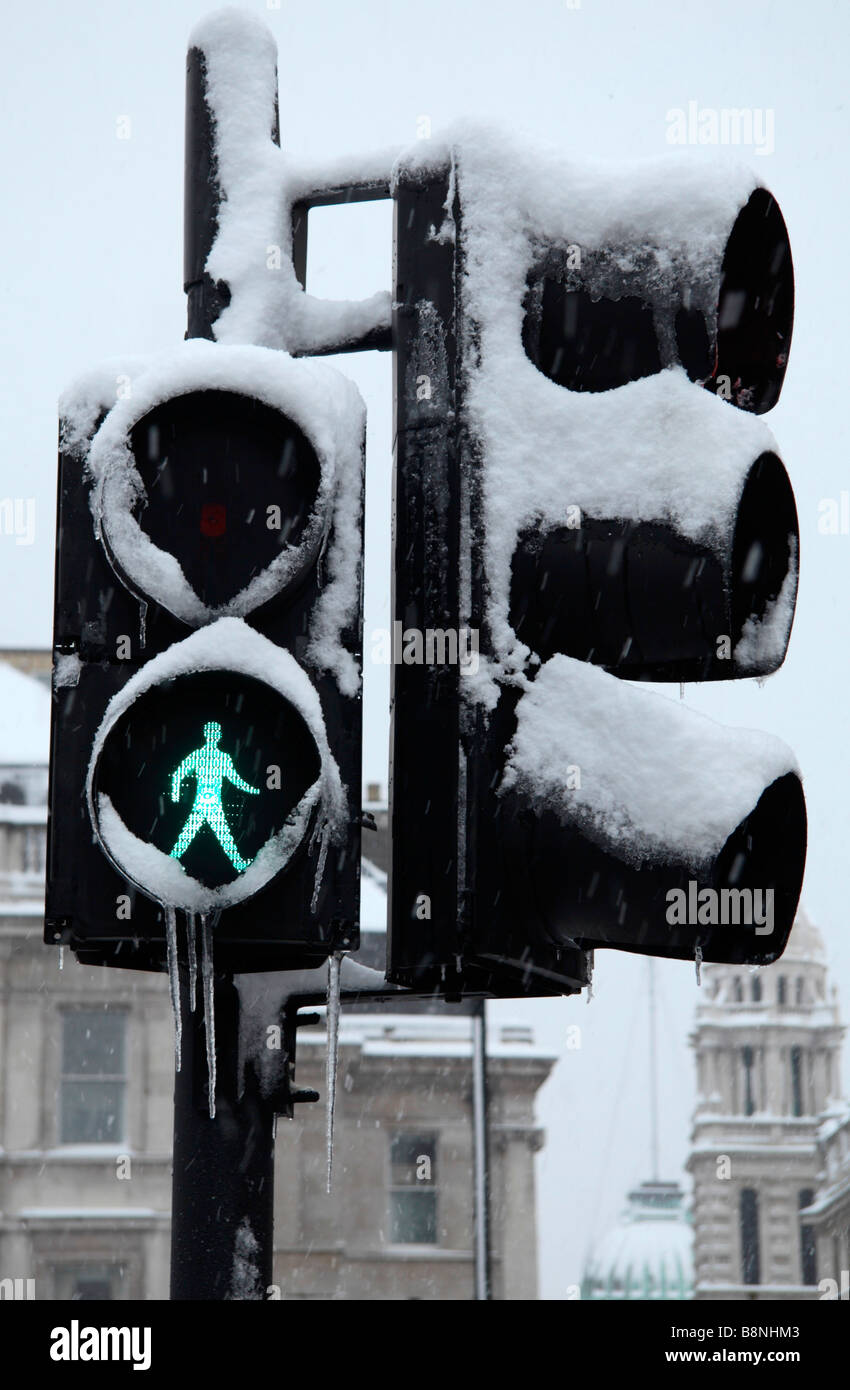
{"points": [[34, 849], [796, 1081], [84, 1283], [93, 1077], [413, 1189], [737, 991], [749, 1098], [808, 1248], [749, 1221], [757, 991], [799, 989], [781, 990]]}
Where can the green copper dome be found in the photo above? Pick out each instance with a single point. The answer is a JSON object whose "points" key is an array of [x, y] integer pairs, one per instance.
{"points": [[648, 1254]]}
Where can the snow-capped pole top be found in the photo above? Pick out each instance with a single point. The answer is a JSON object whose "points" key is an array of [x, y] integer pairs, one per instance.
{"points": [[226, 645], [324, 404], [237, 28], [252, 251]]}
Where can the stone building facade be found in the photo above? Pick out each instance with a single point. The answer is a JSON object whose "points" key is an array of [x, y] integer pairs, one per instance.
{"points": [[398, 1223], [768, 1054], [828, 1216], [86, 1079]]}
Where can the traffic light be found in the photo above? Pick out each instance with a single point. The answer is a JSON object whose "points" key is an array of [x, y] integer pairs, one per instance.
{"points": [[205, 751], [586, 498]]}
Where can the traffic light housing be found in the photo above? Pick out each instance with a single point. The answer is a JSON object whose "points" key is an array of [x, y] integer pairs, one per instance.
{"points": [[205, 748], [583, 485]]}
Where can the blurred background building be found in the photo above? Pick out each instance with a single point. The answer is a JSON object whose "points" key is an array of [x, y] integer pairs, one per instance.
{"points": [[770, 1149]]}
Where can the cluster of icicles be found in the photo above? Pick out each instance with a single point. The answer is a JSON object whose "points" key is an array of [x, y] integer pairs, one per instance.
{"points": [[194, 921], [200, 925]]}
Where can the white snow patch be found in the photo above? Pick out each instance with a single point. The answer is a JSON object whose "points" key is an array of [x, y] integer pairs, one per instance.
{"points": [[657, 778], [93, 394], [24, 719], [67, 668], [90, 1213], [22, 815], [245, 1282], [763, 642], [373, 897], [267, 304]]}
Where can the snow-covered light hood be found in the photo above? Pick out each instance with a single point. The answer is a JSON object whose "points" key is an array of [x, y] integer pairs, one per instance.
{"points": [[325, 406], [657, 449], [655, 780]]}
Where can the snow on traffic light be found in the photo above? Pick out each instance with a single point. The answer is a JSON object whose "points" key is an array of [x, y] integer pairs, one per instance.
{"points": [[588, 348]]}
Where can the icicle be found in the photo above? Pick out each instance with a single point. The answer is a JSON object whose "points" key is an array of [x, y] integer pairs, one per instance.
{"points": [[333, 1053], [209, 1005], [143, 618], [192, 939], [174, 980], [61, 957], [698, 961], [320, 867], [588, 956]]}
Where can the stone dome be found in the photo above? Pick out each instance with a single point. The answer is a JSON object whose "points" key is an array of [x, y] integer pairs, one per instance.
{"points": [[649, 1253]]}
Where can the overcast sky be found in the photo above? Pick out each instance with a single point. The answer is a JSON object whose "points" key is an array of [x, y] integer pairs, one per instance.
{"points": [[91, 266]]}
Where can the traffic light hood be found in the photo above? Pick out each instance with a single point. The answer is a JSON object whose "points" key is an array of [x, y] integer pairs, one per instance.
{"points": [[300, 418], [598, 302], [630, 820]]}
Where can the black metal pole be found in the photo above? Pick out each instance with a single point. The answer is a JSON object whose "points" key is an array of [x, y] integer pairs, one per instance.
{"points": [[480, 1151], [223, 1176]]}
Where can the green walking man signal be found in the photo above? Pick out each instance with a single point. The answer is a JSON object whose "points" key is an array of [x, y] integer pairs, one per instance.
{"points": [[210, 766]]}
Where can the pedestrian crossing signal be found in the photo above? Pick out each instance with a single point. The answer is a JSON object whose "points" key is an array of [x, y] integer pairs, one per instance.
{"points": [[207, 770], [209, 766], [205, 744]]}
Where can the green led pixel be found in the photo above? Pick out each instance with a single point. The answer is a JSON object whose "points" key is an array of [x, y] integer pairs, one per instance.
{"points": [[210, 766]]}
